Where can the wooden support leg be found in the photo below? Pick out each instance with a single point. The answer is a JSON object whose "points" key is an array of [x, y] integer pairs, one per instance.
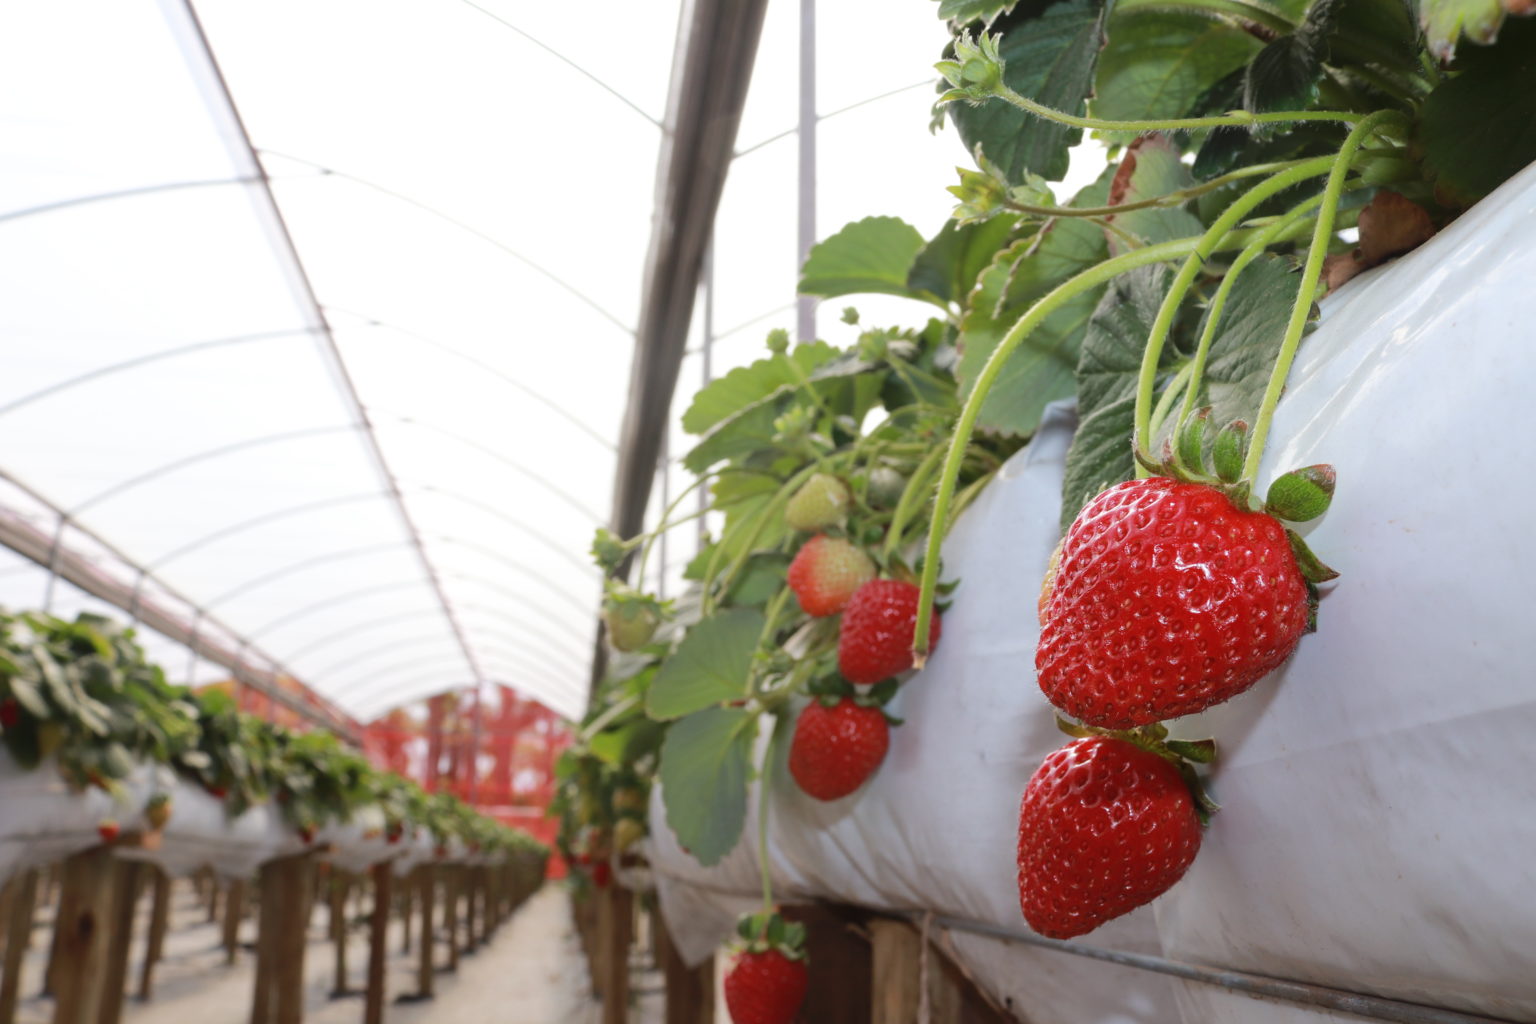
{"points": [[617, 919], [287, 890], [690, 990], [159, 919], [213, 898], [451, 886], [234, 912], [378, 944], [407, 897], [18, 927], [427, 886], [83, 927], [126, 884], [340, 883], [267, 924], [840, 966]]}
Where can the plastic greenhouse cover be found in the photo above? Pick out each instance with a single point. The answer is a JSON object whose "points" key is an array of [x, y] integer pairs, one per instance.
{"points": [[274, 273], [1375, 834]]}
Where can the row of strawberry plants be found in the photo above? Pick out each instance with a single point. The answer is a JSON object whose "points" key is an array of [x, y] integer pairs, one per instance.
{"points": [[81, 698], [1169, 299]]}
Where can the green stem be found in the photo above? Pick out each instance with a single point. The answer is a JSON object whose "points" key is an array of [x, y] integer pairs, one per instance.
{"points": [[771, 620], [1162, 324], [911, 500], [1181, 384], [763, 792], [1174, 198], [759, 522], [1235, 119], [1218, 302], [1087, 280], [1322, 234], [666, 524]]}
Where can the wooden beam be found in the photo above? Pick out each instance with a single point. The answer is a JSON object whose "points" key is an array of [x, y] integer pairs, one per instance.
{"points": [[340, 883], [616, 918], [18, 936], [427, 887], [453, 876], [159, 920], [83, 927], [234, 912], [690, 990], [378, 943], [127, 876], [840, 964]]}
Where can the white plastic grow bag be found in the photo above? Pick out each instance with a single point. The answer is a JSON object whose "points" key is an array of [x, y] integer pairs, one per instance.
{"points": [[1377, 832], [43, 820]]}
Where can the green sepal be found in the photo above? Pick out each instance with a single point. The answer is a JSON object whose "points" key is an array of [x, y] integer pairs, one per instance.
{"points": [[1074, 729], [1313, 599], [1190, 446], [1312, 568], [1204, 805], [1229, 450], [879, 695], [1302, 494]]}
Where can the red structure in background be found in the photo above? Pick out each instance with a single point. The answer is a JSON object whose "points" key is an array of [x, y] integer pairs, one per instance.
{"points": [[496, 754]]}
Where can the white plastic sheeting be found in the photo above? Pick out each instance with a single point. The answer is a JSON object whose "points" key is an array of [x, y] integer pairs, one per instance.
{"points": [[1376, 833], [229, 378]]}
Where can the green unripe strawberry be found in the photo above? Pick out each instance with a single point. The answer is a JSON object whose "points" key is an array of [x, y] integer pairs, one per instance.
{"points": [[821, 502], [626, 833], [631, 617], [158, 811]]}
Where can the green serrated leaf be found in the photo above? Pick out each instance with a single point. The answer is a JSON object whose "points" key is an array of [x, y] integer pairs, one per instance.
{"points": [[1301, 495], [1284, 75], [29, 696], [1100, 456], [1050, 57], [1041, 369], [948, 266], [963, 11], [1152, 167], [873, 255], [730, 394], [1159, 63], [628, 742], [710, 666], [1229, 450], [1110, 361], [1470, 154], [1248, 340], [705, 764]]}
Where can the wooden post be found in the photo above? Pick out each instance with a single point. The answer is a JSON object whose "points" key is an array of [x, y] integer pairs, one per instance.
{"points": [[159, 919], [340, 883], [213, 896], [378, 943], [234, 912], [18, 927], [83, 928], [452, 877], [126, 878], [287, 891], [407, 896], [840, 966], [427, 883], [615, 926], [690, 990]]}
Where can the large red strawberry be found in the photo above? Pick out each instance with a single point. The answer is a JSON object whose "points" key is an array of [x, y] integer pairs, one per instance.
{"points": [[1104, 828], [826, 572], [875, 639], [836, 748], [765, 987], [1167, 599]]}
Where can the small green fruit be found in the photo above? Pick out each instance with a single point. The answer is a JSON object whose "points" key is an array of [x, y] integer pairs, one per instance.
{"points": [[821, 502]]}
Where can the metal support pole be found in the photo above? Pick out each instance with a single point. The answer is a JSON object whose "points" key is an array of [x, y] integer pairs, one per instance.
{"points": [[805, 306]]}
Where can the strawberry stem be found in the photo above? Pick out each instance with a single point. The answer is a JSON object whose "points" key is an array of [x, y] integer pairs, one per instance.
{"points": [[1322, 234], [765, 777], [1162, 324]]}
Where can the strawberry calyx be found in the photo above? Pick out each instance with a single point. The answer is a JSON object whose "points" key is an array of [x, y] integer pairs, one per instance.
{"points": [[831, 690], [1182, 754], [766, 931]]}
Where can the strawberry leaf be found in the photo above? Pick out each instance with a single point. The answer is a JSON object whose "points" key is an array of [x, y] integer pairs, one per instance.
{"points": [[869, 256], [711, 665], [705, 764], [1158, 63], [1248, 340], [948, 266], [1302, 494], [1100, 456]]}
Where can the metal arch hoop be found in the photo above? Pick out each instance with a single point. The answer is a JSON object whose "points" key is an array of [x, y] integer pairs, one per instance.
{"points": [[353, 630], [555, 407], [511, 521], [406, 643], [226, 532], [538, 478], [331, 601], [301, 565], [202, 456], [531, 604], [388, 696], [582, 608], [153, 357], [348, 687]]}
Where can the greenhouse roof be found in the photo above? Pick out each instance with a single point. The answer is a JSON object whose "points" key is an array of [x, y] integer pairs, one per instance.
{"points": [[321, 318]]}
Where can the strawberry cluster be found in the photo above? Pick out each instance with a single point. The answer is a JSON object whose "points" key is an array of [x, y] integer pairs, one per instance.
{"points": [[1168, 595]]}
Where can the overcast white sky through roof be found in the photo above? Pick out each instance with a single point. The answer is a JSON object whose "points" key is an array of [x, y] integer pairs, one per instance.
{"points": [[472, 214]]}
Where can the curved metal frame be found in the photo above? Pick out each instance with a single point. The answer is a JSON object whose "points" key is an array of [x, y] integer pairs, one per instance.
{"points": [[527, 602], [417, 336], [583, 608], [225, 532], [538, 478], [363, 657], [257, 582], [123, 193], [153, 357], [356, 628], [328, 602], [496, 513], [388, 697], [191, 460], [550, 664]]}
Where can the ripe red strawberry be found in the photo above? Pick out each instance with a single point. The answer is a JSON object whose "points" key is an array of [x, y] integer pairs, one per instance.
{"points": [[10, 713], [218, 792], [765, 987], [1168, 599], [826, 572], [306, 833], [875, 639], [602, 874], [821, 501], [1104, 828], [836, 748], [108, 830]]}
